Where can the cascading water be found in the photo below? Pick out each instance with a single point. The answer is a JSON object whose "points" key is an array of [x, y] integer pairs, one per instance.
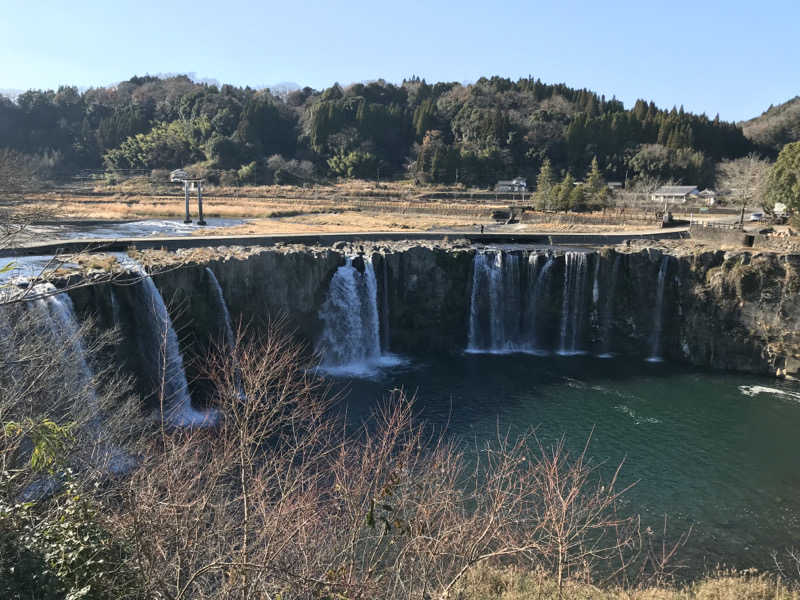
{"points": [[350, 343], [162, 347], [504, 302], [385, 306], [114, 309], [608, 309], [64, 325], [538, 289], [572, 304], [59, 312], [222, 307], [655, 353], [487, 330]]}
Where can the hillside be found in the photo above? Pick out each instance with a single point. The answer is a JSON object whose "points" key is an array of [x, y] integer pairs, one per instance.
{"points": [[777, 126], [442, 132]]}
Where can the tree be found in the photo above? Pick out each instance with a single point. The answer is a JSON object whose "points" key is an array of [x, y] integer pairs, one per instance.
{"points": [[746, 177], [544, 186], [596, 188], [563, 193], [783, 183], [18, 175], [354, 164], [577, 197]]}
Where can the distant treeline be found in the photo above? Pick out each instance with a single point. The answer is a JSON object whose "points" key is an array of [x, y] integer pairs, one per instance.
{"points": [[444, 132]]}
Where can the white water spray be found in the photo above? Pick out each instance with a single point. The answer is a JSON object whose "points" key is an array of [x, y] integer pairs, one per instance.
{"points": [[222, 306], [165, 350], [572, 304], [350, 343], [655, 353]]}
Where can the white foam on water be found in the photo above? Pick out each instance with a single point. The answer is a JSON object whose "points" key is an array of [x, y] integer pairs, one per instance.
{"points": [[367, 369], [637, 419], [511, 350], [571, 352], [755, 390]]}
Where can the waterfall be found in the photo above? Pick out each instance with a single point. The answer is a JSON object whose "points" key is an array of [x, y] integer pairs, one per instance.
{"points": [[114, 309], [655, 351], [63, 324], [488, 312], [504, 303], [608, 309], [162, 348], [572, 303], [385, 306], [538, 290], [350, 343], [222, 306]]}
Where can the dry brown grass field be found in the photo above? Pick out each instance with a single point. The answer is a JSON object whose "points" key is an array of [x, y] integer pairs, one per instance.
{"points": [[351, 206], [485, 583]]}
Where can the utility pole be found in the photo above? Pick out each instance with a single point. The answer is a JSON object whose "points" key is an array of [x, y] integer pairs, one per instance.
{"points": [[188, 219], [200, 203]]}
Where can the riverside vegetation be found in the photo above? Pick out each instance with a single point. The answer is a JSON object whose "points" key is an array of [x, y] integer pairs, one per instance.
{"points": [[281, 500], [278, 496]]}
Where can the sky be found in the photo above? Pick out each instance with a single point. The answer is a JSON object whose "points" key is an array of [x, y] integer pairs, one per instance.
{"points": [[732, 57]]}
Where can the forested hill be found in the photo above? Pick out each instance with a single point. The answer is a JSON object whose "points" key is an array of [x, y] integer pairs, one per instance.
{"points": [[443, 132], [776, 127]]}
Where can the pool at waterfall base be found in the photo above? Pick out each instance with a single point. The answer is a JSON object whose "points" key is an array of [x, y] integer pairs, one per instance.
{"points": [[714, 453]]}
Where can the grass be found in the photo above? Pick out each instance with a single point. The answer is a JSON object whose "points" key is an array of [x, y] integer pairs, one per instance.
{"points": [[510, 584], [346, 206]]}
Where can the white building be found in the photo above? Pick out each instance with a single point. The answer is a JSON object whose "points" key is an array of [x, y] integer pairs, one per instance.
{"points": [[708, 196], [518, 184], [674, 194]]}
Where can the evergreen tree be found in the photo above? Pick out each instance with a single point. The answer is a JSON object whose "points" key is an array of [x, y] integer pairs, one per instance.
{"points": [[544, 186], [577, 198], [596, 186], [564, 192], [783, 183]]}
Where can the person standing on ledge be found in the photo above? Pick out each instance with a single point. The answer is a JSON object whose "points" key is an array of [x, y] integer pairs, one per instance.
{"points": [[481, 229]]}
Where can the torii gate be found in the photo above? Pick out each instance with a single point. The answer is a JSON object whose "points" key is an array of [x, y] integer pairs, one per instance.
{"points": [[190, 183]]}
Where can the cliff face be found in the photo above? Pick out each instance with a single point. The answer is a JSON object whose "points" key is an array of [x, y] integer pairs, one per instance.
{"points": [[428, 298], [736, 310], [741, 312]]}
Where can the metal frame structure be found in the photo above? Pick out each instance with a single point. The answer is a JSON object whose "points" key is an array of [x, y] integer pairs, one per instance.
{"points": [[190, 183]]}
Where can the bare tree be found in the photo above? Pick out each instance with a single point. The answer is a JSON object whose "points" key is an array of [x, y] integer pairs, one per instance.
{"points": [[284, 499], [746, 178]]}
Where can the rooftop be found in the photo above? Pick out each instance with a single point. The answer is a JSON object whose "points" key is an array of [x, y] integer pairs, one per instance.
{"points": [[675, 190]]}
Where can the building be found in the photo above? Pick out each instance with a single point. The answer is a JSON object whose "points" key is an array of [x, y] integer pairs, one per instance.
{"points": [[674, 194], [708, 196], [519, 184], [178, 175]]}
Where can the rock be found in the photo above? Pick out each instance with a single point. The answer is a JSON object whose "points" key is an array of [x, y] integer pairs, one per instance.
{"points": [[736, 311]]}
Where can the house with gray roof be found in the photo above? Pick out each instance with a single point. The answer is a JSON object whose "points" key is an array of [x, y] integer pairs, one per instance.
{"points": [[674, 194], [519, 184]]}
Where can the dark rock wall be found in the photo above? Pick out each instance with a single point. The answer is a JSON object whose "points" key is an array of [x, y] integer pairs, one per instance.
{"points": [[735, 310]]}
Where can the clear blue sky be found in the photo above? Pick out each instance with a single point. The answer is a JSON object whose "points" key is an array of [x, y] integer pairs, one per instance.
{"points": [[735, 57]]}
